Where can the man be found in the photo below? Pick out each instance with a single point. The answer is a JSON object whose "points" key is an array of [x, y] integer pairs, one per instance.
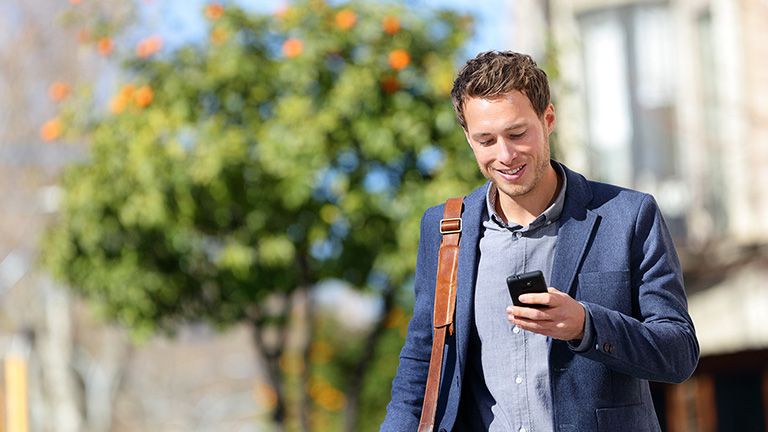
{"points": [[615, 316]]}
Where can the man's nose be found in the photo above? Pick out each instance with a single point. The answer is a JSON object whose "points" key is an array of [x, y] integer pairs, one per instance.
{"points": [[506, 152]]}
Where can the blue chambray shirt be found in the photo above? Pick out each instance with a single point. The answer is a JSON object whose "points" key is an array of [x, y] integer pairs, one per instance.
{"points": [[512, 364]]}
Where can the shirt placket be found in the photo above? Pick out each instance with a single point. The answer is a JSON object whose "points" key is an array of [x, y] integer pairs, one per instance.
{"points": [[520, 339]]}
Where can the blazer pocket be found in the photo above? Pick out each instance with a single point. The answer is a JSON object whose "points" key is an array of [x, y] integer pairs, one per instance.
{"points": [[629, 418], [609, 289]]}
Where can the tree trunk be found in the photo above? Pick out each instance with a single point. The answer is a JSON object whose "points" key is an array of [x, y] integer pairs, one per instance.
{"points": [[269, 342], [306, 281], [305, 402], [271, 360], [357, 378], [102, 373]]}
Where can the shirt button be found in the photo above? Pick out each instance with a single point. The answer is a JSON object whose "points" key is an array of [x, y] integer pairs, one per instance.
{"points": [[518, 380], [516, 330], [522, 429]]}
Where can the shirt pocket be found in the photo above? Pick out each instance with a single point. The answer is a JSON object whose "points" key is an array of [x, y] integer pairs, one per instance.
{"points": [[610, 289]]}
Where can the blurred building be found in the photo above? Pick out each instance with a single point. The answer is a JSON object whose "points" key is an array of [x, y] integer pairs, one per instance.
{"points": [[671, 97]]}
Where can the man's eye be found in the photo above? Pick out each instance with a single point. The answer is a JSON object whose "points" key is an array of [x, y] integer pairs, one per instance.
{"points": [[517, 136], [485, 143]]}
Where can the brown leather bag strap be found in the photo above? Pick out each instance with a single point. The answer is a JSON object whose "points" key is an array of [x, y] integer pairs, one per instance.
{"points": [[445, 305]]}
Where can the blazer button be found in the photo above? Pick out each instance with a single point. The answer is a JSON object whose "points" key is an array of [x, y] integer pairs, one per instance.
{"points": [[608, 347]]}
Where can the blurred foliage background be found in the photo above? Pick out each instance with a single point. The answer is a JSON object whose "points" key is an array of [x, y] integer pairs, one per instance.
{"points": [[227, 177]]}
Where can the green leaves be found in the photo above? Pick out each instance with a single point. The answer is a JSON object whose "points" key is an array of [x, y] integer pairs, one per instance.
{"points": [[281, 151], [276, 251], [252, 166]]}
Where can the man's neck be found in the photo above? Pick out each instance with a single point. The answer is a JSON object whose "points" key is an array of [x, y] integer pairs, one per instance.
{"points": [[526, 208]]}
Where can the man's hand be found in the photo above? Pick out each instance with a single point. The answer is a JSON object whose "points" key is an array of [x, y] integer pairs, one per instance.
{"points": [[563, 318]]}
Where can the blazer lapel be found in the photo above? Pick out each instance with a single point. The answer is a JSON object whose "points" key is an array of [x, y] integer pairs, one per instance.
{"points": [[572, 240], [577, 222], [472, 217]]}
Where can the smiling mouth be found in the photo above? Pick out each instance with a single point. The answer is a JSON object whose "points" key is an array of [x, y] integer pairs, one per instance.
{"points": [[511, 173]]}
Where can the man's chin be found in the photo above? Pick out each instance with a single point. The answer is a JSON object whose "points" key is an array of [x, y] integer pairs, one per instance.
{"points": [[512, 191]]}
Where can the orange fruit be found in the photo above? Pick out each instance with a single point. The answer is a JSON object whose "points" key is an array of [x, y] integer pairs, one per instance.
{"points": [[346, 19], [148, 46], [104, 46], [399, 59], [214, 11], [390, 24], [51, 130], [293, 47], [127, 91], [143, 96], [58, 91], [117, 103]]}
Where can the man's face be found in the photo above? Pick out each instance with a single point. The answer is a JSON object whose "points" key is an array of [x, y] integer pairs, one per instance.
{"points": [[510, 142]]}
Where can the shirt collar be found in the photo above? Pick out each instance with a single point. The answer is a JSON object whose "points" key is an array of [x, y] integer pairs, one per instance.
{"points": [[551, 214]]}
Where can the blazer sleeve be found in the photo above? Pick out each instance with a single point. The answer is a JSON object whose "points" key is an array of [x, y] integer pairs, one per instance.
{"points": [[658, 343], [408, 386]]}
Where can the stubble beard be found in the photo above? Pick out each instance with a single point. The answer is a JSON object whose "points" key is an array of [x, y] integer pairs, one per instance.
{"points": [[519, 190]]}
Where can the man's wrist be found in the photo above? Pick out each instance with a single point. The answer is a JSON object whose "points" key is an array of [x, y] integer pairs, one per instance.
{"points": [[583, 343]]}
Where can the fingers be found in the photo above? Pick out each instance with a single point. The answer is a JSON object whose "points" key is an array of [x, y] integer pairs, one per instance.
{"points": [[555, 329], [544, 299], [549, 298], [563, 318], [530, 325], [533, 314]]}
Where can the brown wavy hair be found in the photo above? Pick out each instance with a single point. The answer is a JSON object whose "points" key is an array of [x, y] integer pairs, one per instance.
{"points": [[495, 73]]}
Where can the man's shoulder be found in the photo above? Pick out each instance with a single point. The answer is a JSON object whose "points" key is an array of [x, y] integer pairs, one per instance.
{"points": [[474, 198], [600, 195], [607, 192], [621, 204]]}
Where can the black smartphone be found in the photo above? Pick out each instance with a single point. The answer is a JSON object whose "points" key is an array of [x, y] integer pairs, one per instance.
{"points": [[524, 283]]}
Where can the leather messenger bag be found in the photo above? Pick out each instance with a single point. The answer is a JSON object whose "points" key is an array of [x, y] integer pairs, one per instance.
{"points": [[445, 305]]}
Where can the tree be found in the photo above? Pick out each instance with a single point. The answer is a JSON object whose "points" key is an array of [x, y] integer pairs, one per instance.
{"points": [[231, 176]]}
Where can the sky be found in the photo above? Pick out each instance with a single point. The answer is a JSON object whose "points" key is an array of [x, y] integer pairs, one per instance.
{"points": [[181, 20]]}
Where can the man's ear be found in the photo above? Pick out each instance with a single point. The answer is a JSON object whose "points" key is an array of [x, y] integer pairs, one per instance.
{"points": [[549, 118]]}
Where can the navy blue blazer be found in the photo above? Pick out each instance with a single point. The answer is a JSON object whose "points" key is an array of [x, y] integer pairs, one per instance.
{"points": [[613, 254]]}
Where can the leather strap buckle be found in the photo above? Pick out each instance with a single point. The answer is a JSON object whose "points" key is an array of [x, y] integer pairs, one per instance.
{"points": [[450, 225]]}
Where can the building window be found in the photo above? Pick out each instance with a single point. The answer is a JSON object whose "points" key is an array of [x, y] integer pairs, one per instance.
{"points": [[630, 102]]}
